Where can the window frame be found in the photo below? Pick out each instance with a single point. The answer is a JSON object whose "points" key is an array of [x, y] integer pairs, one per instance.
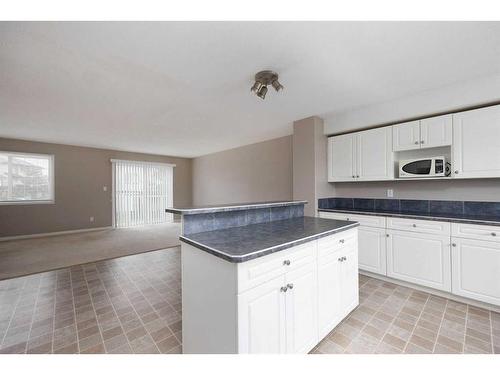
{"points": [[52, 200]]}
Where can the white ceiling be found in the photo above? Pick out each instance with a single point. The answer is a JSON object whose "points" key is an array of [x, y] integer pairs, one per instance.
{"points": [[183, 88]]}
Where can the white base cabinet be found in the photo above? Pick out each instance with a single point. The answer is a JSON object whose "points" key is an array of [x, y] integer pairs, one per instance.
{"points": [[372, 250], [337, 281], [419, 258], [272, 304], [458, 258], [371, 240], [476, 263]]}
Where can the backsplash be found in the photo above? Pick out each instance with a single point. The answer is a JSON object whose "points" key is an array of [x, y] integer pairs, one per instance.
{"points": [[413, 206], [223, 220]]}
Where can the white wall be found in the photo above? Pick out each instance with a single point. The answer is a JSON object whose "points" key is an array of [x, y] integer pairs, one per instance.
{"points": [[449, 98]]}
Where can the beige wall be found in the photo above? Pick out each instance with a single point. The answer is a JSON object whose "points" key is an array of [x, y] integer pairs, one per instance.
{"points": [[80, 174], [309, 163], [257, 172]]}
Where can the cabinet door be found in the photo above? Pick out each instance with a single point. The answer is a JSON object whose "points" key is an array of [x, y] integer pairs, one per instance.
{"points": [[406, 136], [341, 158], [476, 143], [302, 309], [261, 317], [419, 258], [372, 250], [436, 131], [476, 269], [374, 156], [349, 291], [329, 311]]}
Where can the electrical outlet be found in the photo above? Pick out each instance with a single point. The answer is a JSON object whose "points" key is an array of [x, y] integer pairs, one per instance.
{"points": [[390, 193], [91, 219]]}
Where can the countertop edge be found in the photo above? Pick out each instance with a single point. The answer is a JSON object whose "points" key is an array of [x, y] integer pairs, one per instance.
{"points": [[236, 207], [266, 251], [413, 216]]}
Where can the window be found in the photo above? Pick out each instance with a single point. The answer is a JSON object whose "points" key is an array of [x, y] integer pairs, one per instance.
{"points": [[141, 192], [26, 178]]}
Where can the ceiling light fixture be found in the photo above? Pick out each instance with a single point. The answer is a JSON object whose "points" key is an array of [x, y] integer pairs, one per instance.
{"points": [[264, 79]]}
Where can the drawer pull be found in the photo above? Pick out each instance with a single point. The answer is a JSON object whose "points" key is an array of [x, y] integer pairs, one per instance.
{"points": [[493, 234], [289, 286], [414, 225], [286, 262], [387, 235], [341, 259], [283, 289], [454, 244], [342, 240]]}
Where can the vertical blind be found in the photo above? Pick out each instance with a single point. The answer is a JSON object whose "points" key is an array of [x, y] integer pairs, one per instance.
{"points": [[142, 191]]}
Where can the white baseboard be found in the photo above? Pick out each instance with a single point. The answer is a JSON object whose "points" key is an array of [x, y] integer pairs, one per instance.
{"points": [[49, 234], [436, 292]]}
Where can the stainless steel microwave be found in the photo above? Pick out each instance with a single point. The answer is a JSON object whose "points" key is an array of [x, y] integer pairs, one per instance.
{"points": [[426, 167]]}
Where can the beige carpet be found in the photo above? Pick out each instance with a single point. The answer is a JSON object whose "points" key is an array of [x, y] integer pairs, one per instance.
{"points": [[24, 257]]}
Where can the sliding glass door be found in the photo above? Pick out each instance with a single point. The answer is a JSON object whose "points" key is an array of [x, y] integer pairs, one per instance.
{"points": [[141, 192]]}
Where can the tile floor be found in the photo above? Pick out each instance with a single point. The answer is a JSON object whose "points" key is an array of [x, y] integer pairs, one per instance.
{"points": [[133, 305], [392, 319]]}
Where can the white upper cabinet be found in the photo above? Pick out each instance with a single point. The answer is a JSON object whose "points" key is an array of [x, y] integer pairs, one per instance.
{"points": [[341, 151], [406, 136], [426, 133], [374, 156], [362, 156], [436, 131], [476, 143]]}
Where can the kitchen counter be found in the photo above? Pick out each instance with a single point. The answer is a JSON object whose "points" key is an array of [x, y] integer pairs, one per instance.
{"points": [[448, 217], [243, 243], [232, 207]]}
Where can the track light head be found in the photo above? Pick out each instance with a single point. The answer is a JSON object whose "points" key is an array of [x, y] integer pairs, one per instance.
{"points": [[262, 92], [264, 79]]}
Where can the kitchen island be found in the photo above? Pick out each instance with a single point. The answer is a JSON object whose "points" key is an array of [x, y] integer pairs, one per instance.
{"points": [[264, 278]]}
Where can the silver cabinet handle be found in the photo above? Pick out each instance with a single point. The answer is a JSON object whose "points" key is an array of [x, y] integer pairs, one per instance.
{"points": [[454, 244], [286, 262], [422, 142], [357, 176], [353, 176], [289, 286], [342, 241], [283, 289], [493, 234], [387, 235], [414, 225], [416, 142], [456, 172], [347, 218], [341, 259], [345, 258]]}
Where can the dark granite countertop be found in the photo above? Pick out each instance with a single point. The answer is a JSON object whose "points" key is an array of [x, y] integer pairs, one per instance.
{"points": [[453, 218], [230, 207], [241, 244]]}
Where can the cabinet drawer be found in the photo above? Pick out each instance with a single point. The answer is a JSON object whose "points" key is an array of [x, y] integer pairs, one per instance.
{"points": [[420, 226], [364, 220], [332, 244], [480, 232], [257, 271]]}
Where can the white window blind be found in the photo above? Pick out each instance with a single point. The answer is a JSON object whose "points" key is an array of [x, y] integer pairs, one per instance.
{"points": [[26, 178], [142, 191]]}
